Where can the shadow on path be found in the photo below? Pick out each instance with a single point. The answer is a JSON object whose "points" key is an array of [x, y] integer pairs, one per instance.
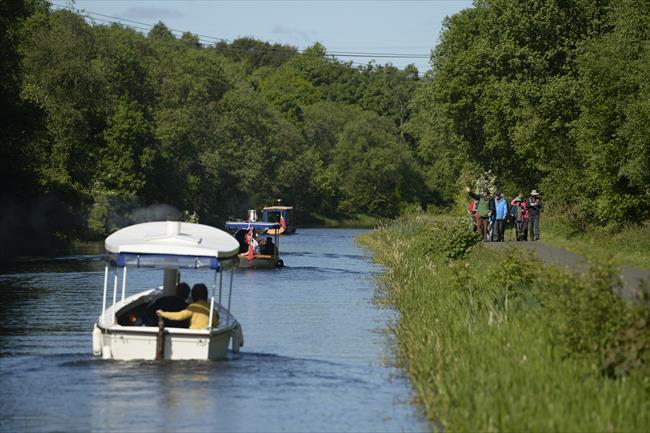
{"points": [[633, 278]]}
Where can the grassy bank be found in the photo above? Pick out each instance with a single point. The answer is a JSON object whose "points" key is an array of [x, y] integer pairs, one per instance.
{"points": [[493, 341], [628, 246]]}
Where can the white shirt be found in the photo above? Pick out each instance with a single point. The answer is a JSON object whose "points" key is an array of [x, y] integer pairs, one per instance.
{"points": [[256, 246]]}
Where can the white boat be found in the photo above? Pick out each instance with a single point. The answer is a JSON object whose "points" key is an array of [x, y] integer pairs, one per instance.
{"points": [[262, 260], [169, 246]]}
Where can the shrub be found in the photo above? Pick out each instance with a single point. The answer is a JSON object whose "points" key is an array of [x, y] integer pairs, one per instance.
{"points": [[455, 239], [629, 349], [593, 321]]}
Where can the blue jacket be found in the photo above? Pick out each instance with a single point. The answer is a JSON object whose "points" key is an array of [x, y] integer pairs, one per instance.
{"points": [[501, 209]]}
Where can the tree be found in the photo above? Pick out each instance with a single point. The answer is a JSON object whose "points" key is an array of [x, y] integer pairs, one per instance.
{"points": [[189, 85], [322, 124], [160, 32], [507, 94], [375, 168], [389, 91], [611, 131], [61, 77], [288, 91], [256, 54]]}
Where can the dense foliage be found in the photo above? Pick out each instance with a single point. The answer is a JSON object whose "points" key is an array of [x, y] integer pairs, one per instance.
{"points": [[100, 123], [104, 122], [544, 94]]}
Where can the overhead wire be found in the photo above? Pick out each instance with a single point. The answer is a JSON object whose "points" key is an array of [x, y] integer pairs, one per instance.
{"points": [[212, 40]]}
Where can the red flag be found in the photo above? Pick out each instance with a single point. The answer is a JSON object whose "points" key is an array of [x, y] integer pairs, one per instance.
{"points": [[250, 254], [283, 223]]}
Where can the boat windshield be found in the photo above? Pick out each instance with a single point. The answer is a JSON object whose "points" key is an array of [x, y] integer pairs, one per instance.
{"points": [[166, 261]]}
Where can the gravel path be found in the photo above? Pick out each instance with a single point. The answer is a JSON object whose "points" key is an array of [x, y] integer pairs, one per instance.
{"points": [[633, 278]]}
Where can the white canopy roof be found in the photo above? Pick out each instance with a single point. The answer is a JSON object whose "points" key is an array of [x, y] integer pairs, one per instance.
{"points": [[173, 238], [278, 208]]}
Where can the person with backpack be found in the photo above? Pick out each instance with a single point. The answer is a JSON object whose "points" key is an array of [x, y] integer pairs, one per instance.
{"points": [[520, 217], [534, 206], [484, 209]]}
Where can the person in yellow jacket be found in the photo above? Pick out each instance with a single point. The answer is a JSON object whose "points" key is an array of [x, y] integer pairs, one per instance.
{"points": [[197, 313]]}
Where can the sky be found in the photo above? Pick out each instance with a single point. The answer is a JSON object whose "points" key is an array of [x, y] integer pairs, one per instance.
{"points": [[372, 27]]}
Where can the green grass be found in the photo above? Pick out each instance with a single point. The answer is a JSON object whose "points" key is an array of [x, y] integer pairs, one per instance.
{"points": [[628, 246], [495, 343]]}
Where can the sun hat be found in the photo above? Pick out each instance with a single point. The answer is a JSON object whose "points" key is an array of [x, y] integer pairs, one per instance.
{"points": [[534, 192]]}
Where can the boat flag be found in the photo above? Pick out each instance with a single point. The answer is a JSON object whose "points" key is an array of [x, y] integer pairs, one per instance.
{"points": [[283, 223]]}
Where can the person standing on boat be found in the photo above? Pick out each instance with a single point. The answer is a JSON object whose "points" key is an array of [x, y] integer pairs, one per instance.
{"points": [[253, 245], [484, 209], [198, 312]]}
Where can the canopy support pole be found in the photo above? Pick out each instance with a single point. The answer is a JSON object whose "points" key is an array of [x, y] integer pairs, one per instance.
{"points": [[123, 282], [220, 285], [232, 272], [211, 313], [214, 283], [170, 280], [114, 292], [105, 288]]}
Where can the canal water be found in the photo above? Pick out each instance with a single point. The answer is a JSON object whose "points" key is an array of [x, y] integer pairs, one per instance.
{"points": [[314, 357]]}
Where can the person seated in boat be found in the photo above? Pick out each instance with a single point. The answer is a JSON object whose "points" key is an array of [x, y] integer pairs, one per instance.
{"points": [[197, 313], [177, 302], [267, 247], [240, 235]]}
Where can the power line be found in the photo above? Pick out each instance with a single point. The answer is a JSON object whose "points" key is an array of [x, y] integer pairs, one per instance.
{"points": [[211, 39], [88, 14]]}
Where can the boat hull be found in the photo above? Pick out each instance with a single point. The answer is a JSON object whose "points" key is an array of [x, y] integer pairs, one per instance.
{"points": [[267, 262], [124, 345], [114, 341]]}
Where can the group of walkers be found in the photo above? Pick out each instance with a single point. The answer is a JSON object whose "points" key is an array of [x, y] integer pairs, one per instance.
{"points": [[491, 214]]}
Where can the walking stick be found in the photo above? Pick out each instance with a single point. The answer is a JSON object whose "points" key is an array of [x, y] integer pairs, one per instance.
{"points": [[160, 340]]}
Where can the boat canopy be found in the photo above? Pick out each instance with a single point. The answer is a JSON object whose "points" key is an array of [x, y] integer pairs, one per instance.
{"points": [[277, 208], [166, 261], [243, 225], [170, 244]]}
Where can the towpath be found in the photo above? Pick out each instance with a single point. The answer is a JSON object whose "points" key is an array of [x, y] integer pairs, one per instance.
{"points": [[632, 277]]}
